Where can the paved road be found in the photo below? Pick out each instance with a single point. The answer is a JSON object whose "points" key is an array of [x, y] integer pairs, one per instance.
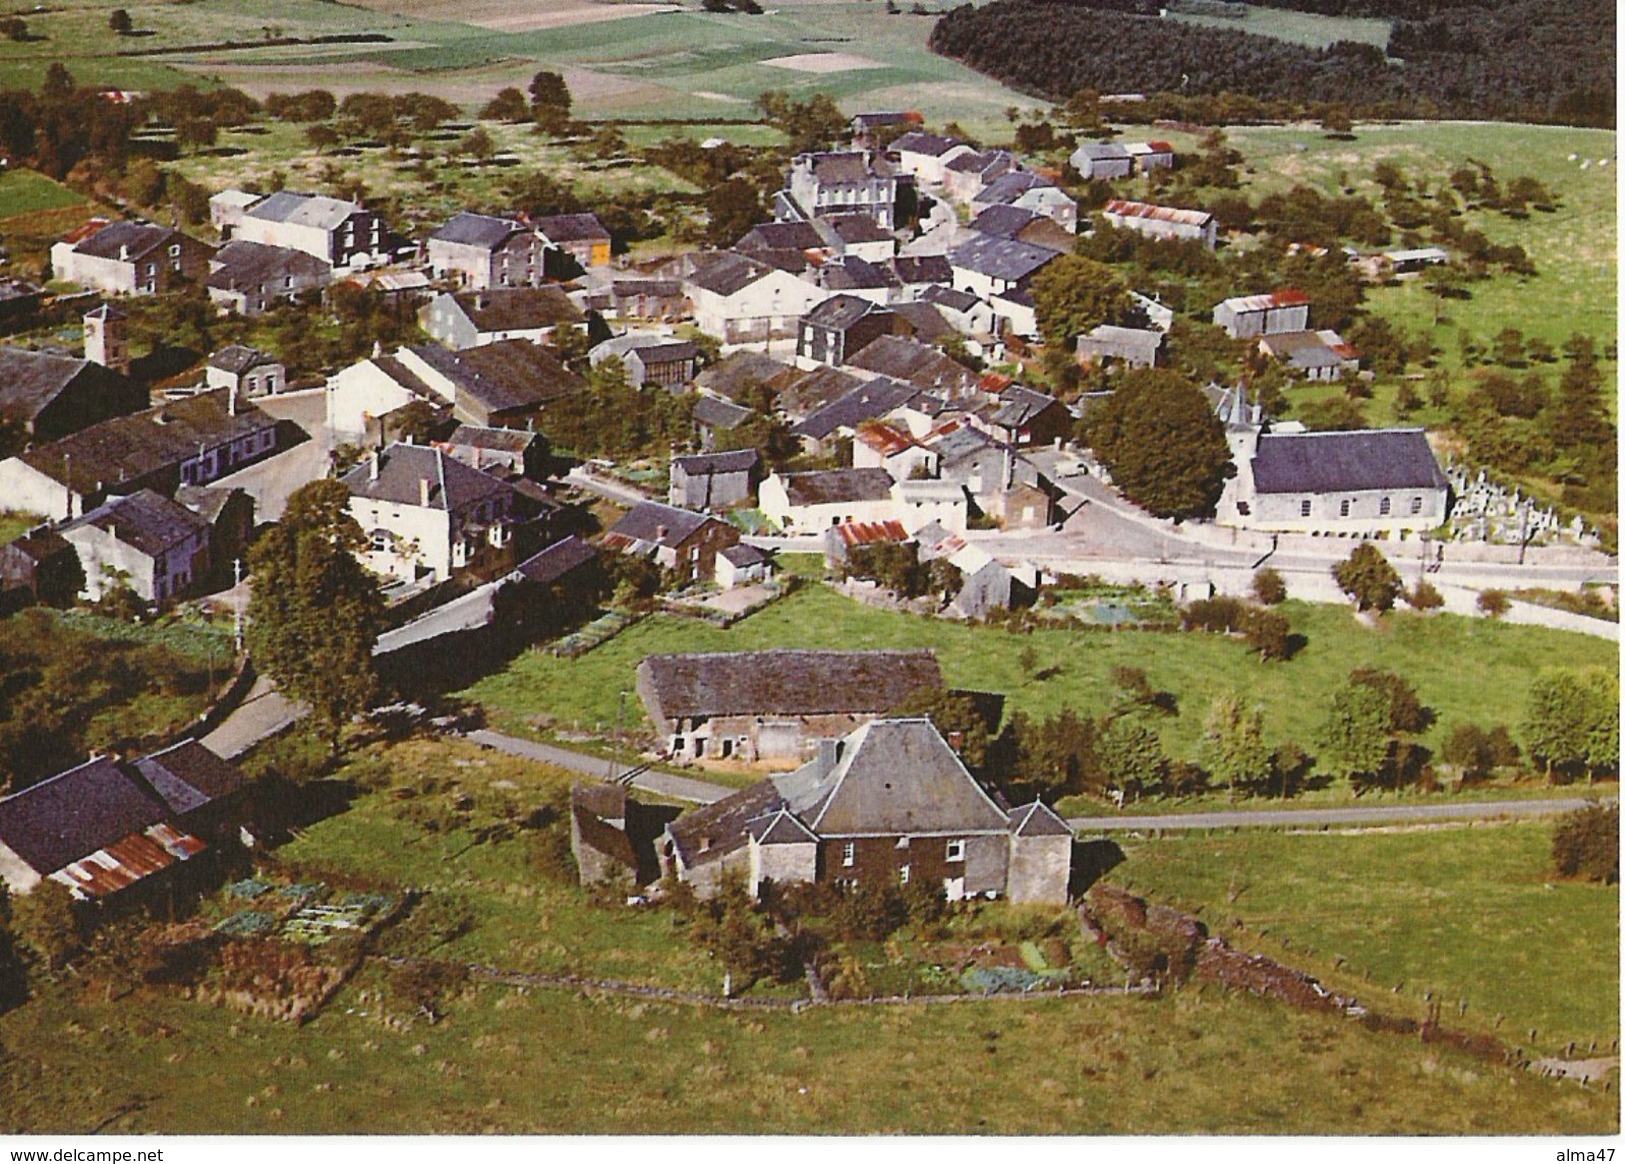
{"points": [[1313, 817], [616, 491], [263, 712], [662, 783]]}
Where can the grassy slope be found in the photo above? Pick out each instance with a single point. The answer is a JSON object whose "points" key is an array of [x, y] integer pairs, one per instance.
{"points": [[1467, 669], [1467, 913], [27, 192], [1305, 28]]}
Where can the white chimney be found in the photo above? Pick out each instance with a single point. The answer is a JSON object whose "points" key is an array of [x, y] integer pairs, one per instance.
{"points": [[423, 492], [231, 399], [372, 466]]}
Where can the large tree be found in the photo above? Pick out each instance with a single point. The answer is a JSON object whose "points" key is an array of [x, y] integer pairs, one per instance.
{"points": [[1356, 733], [1572, 723], [1232, 748], [549, 101], [1073, 295], [315, 611], [1368, 578], [1162, 444]]}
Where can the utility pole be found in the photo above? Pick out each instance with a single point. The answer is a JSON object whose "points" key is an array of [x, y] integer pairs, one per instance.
{"points": [[620, 709], [237, 604]]}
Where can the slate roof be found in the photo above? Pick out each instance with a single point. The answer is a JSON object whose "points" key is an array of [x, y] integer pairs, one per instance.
{"points": [[710, 464], [949, 297], [480, 230], [853, 273], [866, 402], [909, 360], [557, 560], [452, 484], [837, 486], [111, 240], [187, 776], [563, 228], [1145, 341], [712, 832], [1102, 151], [646, 519], [316, 210], [840, 312], [651, 349], [925, 319], [730, 274], [241, 264], [31, 381], [1037, 820], [734, 374], [911, 269], [237, 359], [1001, 258], [895, 777], [1002, 221], [820, 387], [929, 144], [856, 228], [506, 375], [847, 168], [518, 308], [786, 682], [1019, 405], [1008, 187], [1345, 462], [151, 523], [479, 436], [781, 236], [710, 412], [208, 501], [74, 813], [741, 555], [780, 827]]}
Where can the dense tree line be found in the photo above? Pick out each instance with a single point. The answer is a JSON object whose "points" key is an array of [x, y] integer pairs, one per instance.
{"points": [[1538, 60]]}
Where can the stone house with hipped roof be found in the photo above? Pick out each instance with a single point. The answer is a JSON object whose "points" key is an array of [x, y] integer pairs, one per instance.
{"points": [[772, 705], [888, 804]]}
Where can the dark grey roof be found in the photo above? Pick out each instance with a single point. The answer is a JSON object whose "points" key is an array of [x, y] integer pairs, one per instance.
{"points": [[976, 163], [316, 210], [711, 412], [187, 776], [237, 359], [74, 813], [786, 682], [856, 228], [111, 241], [479, 436], [729, 274], [840, 312], [660, 288], [1019, 405], [742, 555], [151, 523], [480, 230], [1002, 221], [709, 464], [841, 169], [657, 524], [735, 374], [895, 777], [1009, 187], [853, 273], [930, 144], [209, 501], [562, 228], [31, 381], [780, 826], [558, 559], [1037, 820], [1001, 258], [506, 375], [822, 386], [781, 236], [907, 359], [1100, 151], [130, 447], [925, 319], [951, 298], [241, 263], [1345, 462], [518, 308], [866, 402], [837, 486], [402, 468], [710, 833], [922, 269]]}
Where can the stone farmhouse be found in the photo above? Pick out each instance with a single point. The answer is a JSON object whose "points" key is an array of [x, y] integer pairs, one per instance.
{"points": [[341, 233], [823, 184], [890, 803], [471, 319], [772, 705], [250, 278], [158, 547], [679, 540], [130, 258], [480, 252], [50, 396]]}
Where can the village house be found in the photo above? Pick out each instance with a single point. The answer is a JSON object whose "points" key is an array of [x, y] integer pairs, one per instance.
{"points": [[740, 300], [1334, 483], [856, 236], [823, 184], [985, 583], [915, 275], [1246, 316], [340, 233], [811, 501], [1133, 347], [772, 705], [180, 442], [426, 514], [581, 236], [925, 156], [1026, 418], [40, 567], [471, 319], [661, 360], [660, 300], [229, 512], [508, 453], [965, 176], [742, 565], [716, 419], [106, 826], [251, 278], [480, 252], [678, 540], [840, 419], [1000, 483], [156, 546], [129, 258], [840, 327], [246, 371], [987, 266], [879, 445], [504, 384], [226, 209], [870, 129], [857, 277], [1101, 159], [46, 396], [713, 481], [1164, 222], [907, 360], [1315, 355], [1025, 190], [888, 804]]}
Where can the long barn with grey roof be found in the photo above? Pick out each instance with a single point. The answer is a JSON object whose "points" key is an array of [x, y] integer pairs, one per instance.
{"points": [[771, 704]]}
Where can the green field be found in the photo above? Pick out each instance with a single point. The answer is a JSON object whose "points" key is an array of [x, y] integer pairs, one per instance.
{"points": [[1469, 914], [1466, 669], [1305, 28], [27, 192]]}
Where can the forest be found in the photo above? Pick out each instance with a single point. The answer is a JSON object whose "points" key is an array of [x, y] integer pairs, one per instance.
{"points": [[1526, 60]]}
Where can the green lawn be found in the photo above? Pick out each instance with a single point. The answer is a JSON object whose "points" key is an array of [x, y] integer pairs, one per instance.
{"points": [[1466, 669], [26, 192], [1468, 913]]}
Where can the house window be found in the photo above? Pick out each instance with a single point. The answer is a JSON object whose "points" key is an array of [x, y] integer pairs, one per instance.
{"points": [[175, 250], [849, 854], [1305, 507], [380, 541], [956, 850], [1416, 505], [1243, 508], [1383, 507], [902, 875], [1343, 507]]}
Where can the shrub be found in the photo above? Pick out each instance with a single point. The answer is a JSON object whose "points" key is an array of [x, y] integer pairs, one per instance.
{"points": [[1424, 596], [1220, 613], [1586, 843], [1494, 603], [1268, 587]]}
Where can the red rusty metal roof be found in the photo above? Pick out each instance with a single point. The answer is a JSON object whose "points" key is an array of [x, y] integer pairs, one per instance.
{"points": [[884, 438], [867, 533], [128, 860], [1124, 209]]}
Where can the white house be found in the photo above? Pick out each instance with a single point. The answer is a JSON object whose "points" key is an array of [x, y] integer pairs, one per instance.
{"points": [[814, 501], [480, 252], [926, 155], [154, 545], [742, 301], [375, 387], [341, 233]]}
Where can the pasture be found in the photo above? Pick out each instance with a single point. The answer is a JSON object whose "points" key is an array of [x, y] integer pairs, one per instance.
{"points": [[1305, 28]]}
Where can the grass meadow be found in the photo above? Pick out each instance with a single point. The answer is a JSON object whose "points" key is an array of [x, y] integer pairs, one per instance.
{"points": [[1467, 670], [1306, 28], [1465, 913]]}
